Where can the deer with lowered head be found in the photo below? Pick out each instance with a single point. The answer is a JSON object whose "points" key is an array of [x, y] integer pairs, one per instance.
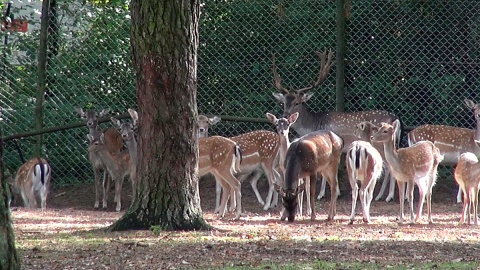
{"points": [[282, 126], [452, 141], [467, 175], [316, 152], [342, 123], [114, 144], [416, 164], [34, 177]]}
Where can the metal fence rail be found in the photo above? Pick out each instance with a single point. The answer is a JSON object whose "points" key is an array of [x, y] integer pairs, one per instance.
{"points": [[418, 59]]}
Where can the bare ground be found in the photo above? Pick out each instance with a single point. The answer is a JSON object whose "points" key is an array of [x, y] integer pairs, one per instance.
{"points": [[70, 235]]}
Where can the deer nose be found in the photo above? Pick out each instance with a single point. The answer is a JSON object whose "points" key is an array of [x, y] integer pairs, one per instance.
{"points": [[201, 129]]}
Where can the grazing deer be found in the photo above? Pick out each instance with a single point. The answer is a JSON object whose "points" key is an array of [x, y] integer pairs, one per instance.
{"points": [[117, 164], [127, 130], [282, 125], [114, 144], [364, 165], [467, 175], [452, 141], [222, 158], [316, 152], [365, 131], [342, 123], [32, 177], [416, 164]]}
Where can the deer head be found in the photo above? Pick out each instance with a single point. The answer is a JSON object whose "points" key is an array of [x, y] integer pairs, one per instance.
{"points": [[92, 116], [204, 123], [289, 200], [292, 100], [282, 125]]}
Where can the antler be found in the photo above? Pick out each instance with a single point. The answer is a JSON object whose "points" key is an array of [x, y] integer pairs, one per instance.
{"points": [[325, 65], [277, 81]]}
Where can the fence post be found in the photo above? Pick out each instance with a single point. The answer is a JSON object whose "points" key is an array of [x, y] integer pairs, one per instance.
{"points": [[340, 57], [41, 77]]}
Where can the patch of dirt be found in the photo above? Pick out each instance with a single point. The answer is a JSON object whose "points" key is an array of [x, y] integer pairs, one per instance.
{"points": [[68, 235]]}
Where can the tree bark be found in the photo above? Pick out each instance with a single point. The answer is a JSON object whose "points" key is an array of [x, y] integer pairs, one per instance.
{"points": [[8, 253], [164, 40]]}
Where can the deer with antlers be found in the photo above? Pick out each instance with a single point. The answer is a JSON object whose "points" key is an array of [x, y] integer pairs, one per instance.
{"points": [[416, 164], [31, 178], [467, 175], [452, 141], [113, 143], [342, 123], [317, 152]]}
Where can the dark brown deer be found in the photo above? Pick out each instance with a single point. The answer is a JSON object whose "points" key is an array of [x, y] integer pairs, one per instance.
{"points": [[342, 123], [416, 164], [452, 141], [316, 152]]}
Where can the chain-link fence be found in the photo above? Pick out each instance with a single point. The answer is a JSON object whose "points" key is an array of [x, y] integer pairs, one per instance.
{"points": [[418, 59]]}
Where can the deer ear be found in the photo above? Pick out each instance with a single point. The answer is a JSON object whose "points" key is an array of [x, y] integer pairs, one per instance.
{"points": [[396, 124], [103, 112], [116, 122], [301, 188], [293, 117], [470, 104], [306, 97], [272, 118], [79, 110], [478, 143], [279, 189], [134, 116], [279, 97], [214, 120], [90, 138]]}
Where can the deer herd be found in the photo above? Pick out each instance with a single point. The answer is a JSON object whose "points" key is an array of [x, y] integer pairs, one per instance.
{"points": [[369, 139]]}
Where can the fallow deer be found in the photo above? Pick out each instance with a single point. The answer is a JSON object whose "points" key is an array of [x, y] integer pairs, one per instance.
{"points": [[282, 125], [117, 164], [204, 124], [364, 165], [316, 152], [222, 158], [467, 175], [31, 178], [342, 123], [365, 131], [416, 164], [114, 144], [127, 130], [452, 141]]}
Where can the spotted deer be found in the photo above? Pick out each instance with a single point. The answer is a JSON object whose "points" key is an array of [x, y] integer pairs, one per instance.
{"points": [[364, 167], [364, 132], [222, 157], [467, 175], [342, 123], [114, 144], [118, 164], [204, 123], [416, 164], [127, 131], [282, 126], [316, 152], [31, 178], [452, 141]]}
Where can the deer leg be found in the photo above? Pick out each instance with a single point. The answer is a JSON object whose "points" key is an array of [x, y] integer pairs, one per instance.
{"points": [[96, 173], [391, 190], [410, 186], [268, 169], [300, 196], [218, 194], [422, 187], [43, 197], [253, 183], [313, 183], [475, 206], [353, 184], [31, 198], [26, 204], [369, 196], [459, 194], [309, 199], [465, 207], [223, 195], [118, 193], [321, 194], [106, 188], [401, 195], [384, 185]]}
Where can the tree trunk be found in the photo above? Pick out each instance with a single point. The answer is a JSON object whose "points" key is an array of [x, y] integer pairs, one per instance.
{"points": [[164, 40], [8, 254]]}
